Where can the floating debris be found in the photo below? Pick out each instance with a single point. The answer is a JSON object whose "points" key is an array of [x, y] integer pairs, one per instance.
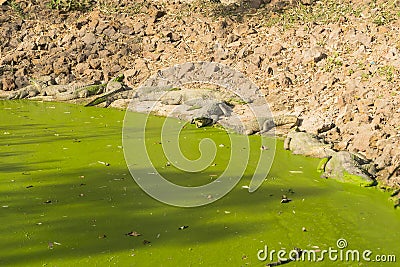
{"points": [[146, 242], [133, 233], [104, 163], [29, 186], [245, 187], [221, 145], [47, 202], [264, 147], [296, 171], [227, 212], [102, 236], [285, 199], [183, 227], [168, 164], [304, 229]]}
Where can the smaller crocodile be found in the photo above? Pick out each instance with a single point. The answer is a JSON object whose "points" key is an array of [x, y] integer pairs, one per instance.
{"points": [[79, 91]]}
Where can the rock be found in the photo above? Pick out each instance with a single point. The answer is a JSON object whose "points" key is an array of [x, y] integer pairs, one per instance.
{"points": [[315, 54], [110, 33], [279, 120], [43, 42], [8, 83], [113, 86], [173, 37], [89, 38], [241, 30], [363, 39], [172, 98], [307, 2], [361, 140], [94, 63], [81, 67], [21, 81], [276, 49], [308, 145], [347, 167], [59, 66], [316, 123]]}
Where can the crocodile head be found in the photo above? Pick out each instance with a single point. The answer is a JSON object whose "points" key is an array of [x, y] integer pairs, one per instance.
{"points": [[202, 122]]}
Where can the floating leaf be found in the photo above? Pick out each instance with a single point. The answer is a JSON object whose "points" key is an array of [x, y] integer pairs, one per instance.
{"points": [[133, 233]]}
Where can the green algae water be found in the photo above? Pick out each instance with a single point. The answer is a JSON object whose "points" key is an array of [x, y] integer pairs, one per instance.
{"points": [[67, 198]]}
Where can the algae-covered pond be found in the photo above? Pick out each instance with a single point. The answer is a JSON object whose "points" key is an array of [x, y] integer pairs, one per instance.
{"points": [[67, 198]]}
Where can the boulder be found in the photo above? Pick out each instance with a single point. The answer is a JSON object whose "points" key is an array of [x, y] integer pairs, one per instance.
{"points": [[347, 167], [308, 145]]}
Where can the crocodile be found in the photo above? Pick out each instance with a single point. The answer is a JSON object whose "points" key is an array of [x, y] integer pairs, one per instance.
{"points": [[72, 91], [28, 91], [207, 112], [80, 91]]}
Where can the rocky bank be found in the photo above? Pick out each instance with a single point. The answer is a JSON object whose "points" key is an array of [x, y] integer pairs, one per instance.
{"points": [[335, 64]]}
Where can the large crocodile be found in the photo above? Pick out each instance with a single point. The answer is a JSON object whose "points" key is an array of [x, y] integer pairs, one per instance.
{"points": [[62, 92]]}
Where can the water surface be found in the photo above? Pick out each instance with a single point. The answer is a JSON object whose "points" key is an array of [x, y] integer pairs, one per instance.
{"points": [[60, 205]]}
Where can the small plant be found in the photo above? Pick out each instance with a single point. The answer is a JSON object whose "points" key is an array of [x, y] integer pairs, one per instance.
{"points": [[365, 76], [69, 5], [17, 8], [388, 72], [333, 62]]}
